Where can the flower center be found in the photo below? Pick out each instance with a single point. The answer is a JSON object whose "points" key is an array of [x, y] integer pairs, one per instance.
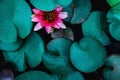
{"points": [[50, 16]]}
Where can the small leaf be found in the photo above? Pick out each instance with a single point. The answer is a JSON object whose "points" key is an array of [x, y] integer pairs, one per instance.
{"points": [[66, 33], [34, 75], [10, 46], [31, 51], [112, 2], [94, 25]]}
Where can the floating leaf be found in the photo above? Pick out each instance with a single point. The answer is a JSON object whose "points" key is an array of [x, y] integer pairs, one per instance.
{"points": [[112, 70], [34, 75], [78, 11], [76, 76], [81, 11], [22, 18], [66, 33], [10, 46], [56, 57], [94, 25], [69, 10], [14, 20], [88, 54], [43, 5], [113, 16], [112, 2], [31, 51]]}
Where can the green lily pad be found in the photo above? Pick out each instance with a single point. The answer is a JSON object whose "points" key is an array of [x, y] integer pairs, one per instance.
{"points": [[93, 27], [112, 70], [88, 54], [52, 4], [10, 46], [112, 2], [34, 75], [31, 52], [113, 16], [56, 57], [14, 20], [76, 76]]}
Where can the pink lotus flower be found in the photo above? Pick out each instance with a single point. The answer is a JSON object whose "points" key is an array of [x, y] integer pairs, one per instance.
{"points": [[49, 20]]}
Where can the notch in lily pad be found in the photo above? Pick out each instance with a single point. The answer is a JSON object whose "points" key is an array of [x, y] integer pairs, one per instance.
{"points": [[56, 57], [95, 26], [112, 69], [88, 54], [15, 20], [113, 16], [31, 52]]}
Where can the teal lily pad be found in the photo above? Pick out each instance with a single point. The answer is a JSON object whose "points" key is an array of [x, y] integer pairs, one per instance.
{"points": [[10, 46], [78, 11], [15, 20], [34, 75], [56, 76], [56, 57], [40, 4], [88, 54], [31, 52], [95, 25], [113, 16], [112, 2], [75, 75], [112, 70]]}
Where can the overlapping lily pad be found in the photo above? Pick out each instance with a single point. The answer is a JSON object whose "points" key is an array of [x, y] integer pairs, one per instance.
{"points": [[88, 54], [113, 16], [75, 75], [31, 52], [48, 5], [112, 70], [10, 46], [95, 25], [15, 20], [56, 57], [112, 2], [78, 11], [34, 75]]}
